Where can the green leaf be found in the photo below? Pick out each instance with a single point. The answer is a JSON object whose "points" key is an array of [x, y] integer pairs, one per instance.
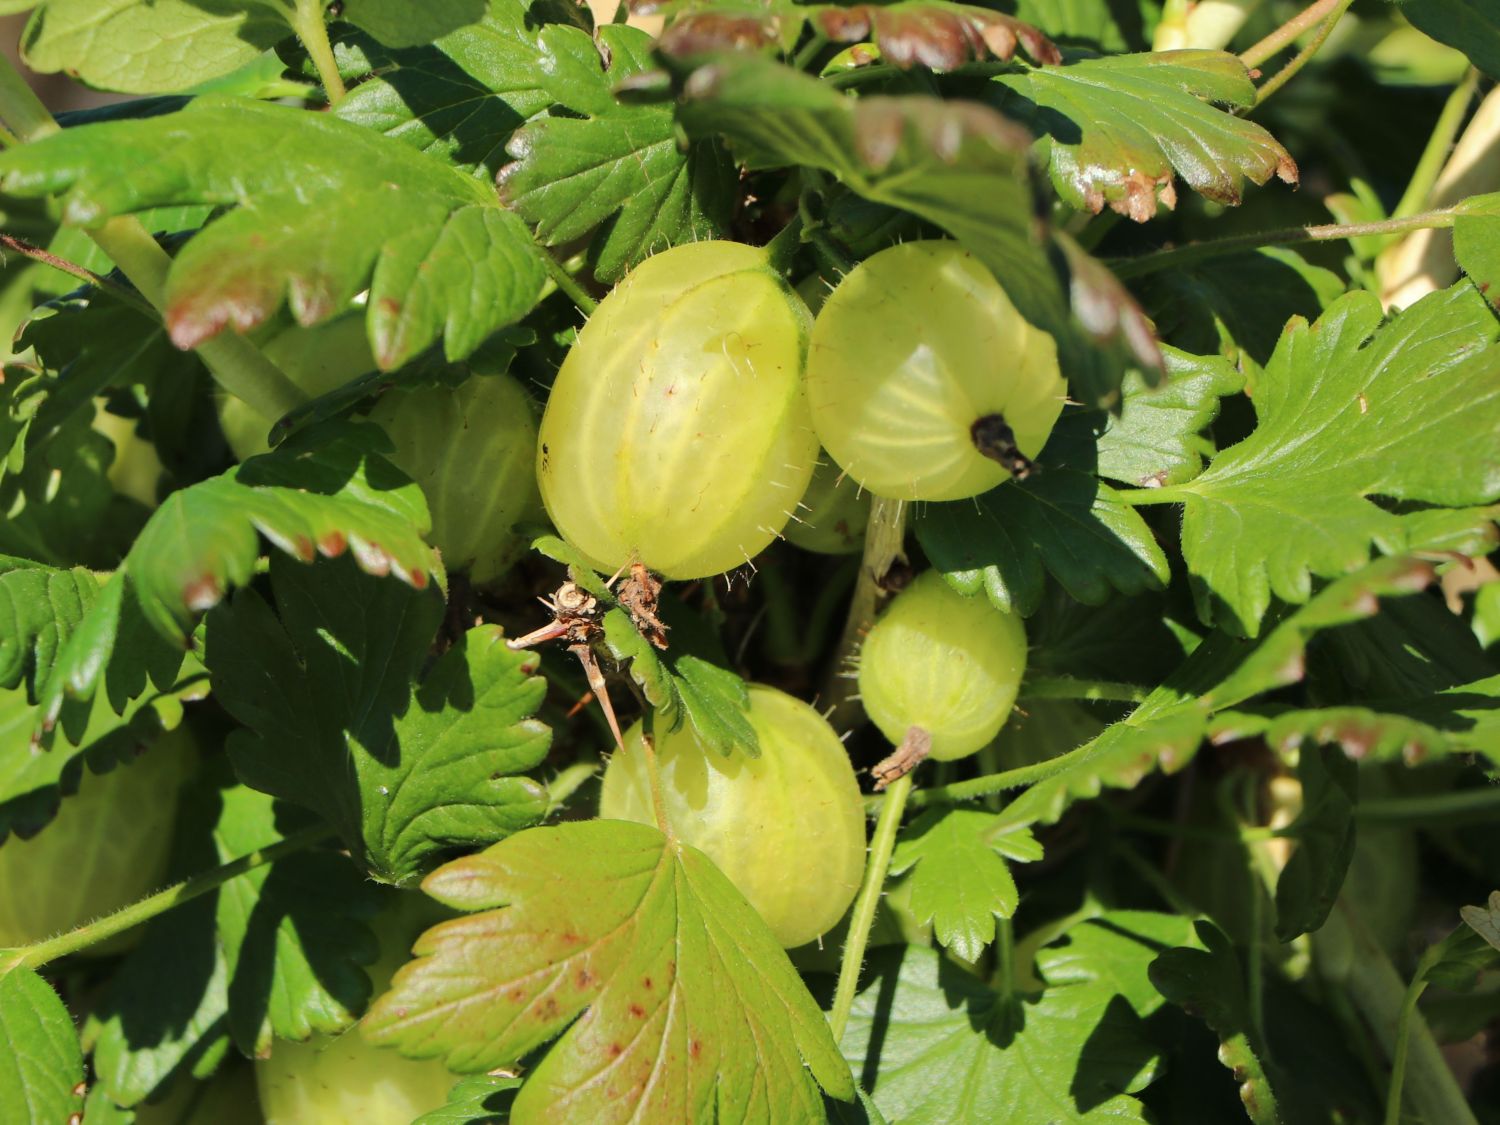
{"points": [[685, 997], [1473, 26], [484, 1099], [1156, 438], [1060, 519], [397, 23], [940, 1046], [1476, 235], [1347, 409], [150, 46], [293, 933], [960, 883], [611, 166], [203, 540], [1236, 306], [1113, 130], [404, 770], [1457, 962], [462, 97], [40, 606], [1107, 28], [1164, 732], [339, 210], [1324, 830], [41, 1065], [1209, 983]]}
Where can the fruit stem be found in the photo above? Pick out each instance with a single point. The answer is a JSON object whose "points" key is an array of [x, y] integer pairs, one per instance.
{"points": [[1304, 56], [91, 933], [882, 844], [1287, 33], [1069, 687], [884, 536], [1194, 252], [307, 22], [568, 284], [1005, 779]]}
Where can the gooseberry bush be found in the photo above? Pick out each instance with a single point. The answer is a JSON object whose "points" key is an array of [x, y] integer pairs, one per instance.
{"points": [[742, 560]]}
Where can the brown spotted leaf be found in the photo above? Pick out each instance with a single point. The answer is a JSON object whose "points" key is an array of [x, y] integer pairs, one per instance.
{"points": [[672, 999], [305, 499], [1113, 130], [318, 211]]}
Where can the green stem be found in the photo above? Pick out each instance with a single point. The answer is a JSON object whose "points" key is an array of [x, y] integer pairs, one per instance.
{"points": [[1288, 32], [1399, 1056], [91, 933], [653, 773], [569, 285], [1468, 806], [568, 781], [1000, 782], [120, 292], [1439, 144], [1195, 252], [1358, 967], [20, 108], [1069, 687], [884, 536], [1304, 56], [829, 251], [881, 846], [1005, 959], [809, 51], [308, 23]]}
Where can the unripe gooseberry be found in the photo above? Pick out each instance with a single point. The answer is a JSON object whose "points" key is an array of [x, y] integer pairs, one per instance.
{"points": [[787, 828], [944, 662], [106, 848], [925, 381], [677, 431], [832, 516], [472, 448]]}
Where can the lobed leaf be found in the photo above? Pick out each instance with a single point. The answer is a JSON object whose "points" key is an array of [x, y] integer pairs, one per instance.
{"points": [[1346, 410], [322, 209], [40, 606], [41, 1064], [672, 999], [203, 540], [1476, 235], [960, 883], [397, 24], [937, 1045], [1062, 519], [1113, 130], [611, 167], [339, 722]]}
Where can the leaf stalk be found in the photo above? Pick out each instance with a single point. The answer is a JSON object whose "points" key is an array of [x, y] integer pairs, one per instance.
{"points": [[307, 22], [1304, 56], [568, 284]]}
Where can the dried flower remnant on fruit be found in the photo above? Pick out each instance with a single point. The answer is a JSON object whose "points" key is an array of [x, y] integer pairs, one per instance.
{"points": [[908, 756], [639, 594], [996, 440]]}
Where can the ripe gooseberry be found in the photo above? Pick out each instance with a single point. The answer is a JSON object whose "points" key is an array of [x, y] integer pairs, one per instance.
{"points": [[472, 448], [787, 828], [677, 432], [925, 382], [944, 662]]}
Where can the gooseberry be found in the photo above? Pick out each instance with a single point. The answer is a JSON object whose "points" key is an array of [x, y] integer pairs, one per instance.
{"points": [[925, 382], [677, 432], [472, 448], [787, 828], [944, 662]]}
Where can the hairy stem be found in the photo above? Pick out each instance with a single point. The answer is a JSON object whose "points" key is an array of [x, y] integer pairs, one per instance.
{"points": [[882, 844], [1288, 32], [1304, 56], [91, 933], [569, 285], [1419, 189], [308, 23], [884, 536], [1070, 687], [1195, 252], [1016, 778]]}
